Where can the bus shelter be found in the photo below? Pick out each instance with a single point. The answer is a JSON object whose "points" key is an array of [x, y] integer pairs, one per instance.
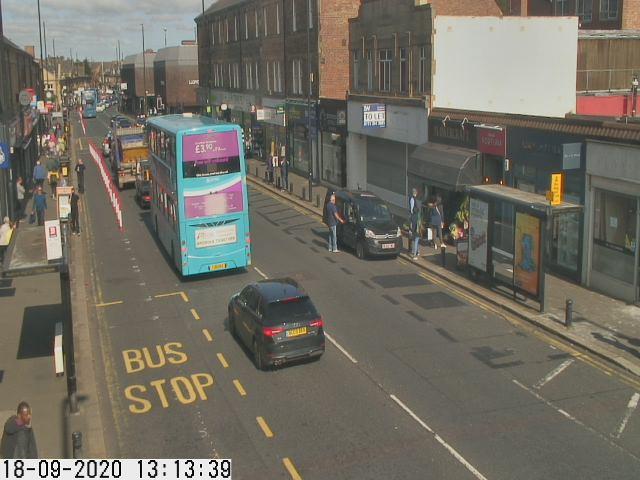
{"points": [[510, 237]]}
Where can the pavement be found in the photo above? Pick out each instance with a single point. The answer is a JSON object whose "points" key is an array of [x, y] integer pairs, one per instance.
{"points": [[602, 325]]}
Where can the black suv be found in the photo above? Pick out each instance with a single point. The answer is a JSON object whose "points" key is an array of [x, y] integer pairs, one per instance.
{"points": [[369, 228]]}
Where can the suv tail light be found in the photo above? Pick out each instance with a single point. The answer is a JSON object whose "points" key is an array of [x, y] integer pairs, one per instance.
{"points": [[318, 323], [272, 331]]}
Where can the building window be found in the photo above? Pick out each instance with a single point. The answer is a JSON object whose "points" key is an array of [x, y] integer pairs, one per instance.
{"points": [[294, 20], [384, 69], [277, 77], [277, 19], [235, 28], [219, 32], [608, 9], [226, 26], [230, 77], [257, 77], [248, 76], [264, 18], [310, 7], [422, 71], [268, 78], [369, 70], [236, 75], [296, 71], [213, 34], [560, 7], [356, 70], [584, 10], [404, 70], [246, 26], [256, 15]]}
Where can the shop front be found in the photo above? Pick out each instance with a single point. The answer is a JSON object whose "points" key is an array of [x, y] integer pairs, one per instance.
{"points": [[611, 262], [492, 144], [302, 136], [271, 127], [333, 142], [236, 108]]}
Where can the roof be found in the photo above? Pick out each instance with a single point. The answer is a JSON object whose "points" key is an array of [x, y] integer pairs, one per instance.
{"points": [[445, 165], [467, 8], [180, 53], [279, 288], [218, 5], [598, 129], [173, 123], [533, 200]]}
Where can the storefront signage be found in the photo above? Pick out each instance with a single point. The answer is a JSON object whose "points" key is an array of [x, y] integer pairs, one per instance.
{"points": [[571, 155], [194, 82], [374, 115], [492, 141], [478, 227], [452, 133], [527, 255], [123, 87], [24, 98], [30, 118], [280, 110], [5, 156], [53, 239], [556, 189], [63, 195]]}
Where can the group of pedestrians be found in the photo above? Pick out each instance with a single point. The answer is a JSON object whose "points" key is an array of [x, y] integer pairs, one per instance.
{"points": [[434, 225], [279, 163]]}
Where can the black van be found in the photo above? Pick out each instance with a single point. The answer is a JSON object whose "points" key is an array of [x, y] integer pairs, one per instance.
{"points": [[369, 227]]}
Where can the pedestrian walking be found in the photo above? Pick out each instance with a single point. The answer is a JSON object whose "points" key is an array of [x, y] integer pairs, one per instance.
{"points": [[270, 164], [39, 174], [415, 219], [80, 174], [75, 218], [284, 173], [436, 221], [6, 229], [18, 438], [20, 191], [333, 217], [40, 205]]}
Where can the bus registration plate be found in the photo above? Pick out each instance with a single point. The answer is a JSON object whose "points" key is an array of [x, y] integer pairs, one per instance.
{"points": [[217, 266]]}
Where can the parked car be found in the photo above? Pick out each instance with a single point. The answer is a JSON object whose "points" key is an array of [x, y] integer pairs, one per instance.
{"points": [[114, 120], [277, 320], [370, 228]]}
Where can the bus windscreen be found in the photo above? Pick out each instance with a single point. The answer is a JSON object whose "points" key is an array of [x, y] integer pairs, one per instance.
{"points": [[210, 154]]}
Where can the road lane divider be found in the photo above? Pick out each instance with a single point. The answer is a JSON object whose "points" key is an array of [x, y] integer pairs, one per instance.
{"points": [[341, 348], [172, 294], [240, 388], [261, 273], [108, 304], [631, 407], [288, 464], [195, 314], [265, 428], [184, 297], [553, 374], [109, 185], [207, 335], [439, 439], [223, 361]]}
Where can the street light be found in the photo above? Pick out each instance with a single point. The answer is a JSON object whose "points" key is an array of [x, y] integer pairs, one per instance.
{"points": [[634, 92], [165, 37], [144, 73], [309, 155]]}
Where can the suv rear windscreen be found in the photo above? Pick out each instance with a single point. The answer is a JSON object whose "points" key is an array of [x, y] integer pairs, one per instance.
{"points": [[293, 310]]}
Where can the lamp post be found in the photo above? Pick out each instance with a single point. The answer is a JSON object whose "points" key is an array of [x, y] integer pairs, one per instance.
{"points": [[309, 155], [165, 37], [634, 94], [144, 73]]}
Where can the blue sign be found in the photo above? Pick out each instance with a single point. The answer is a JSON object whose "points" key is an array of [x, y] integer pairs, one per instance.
{"points": [[374, 115], [5, 156]]}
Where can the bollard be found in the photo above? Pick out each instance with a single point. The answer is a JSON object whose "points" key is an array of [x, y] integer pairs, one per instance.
{"points": [[291, 188], [317, 201], [278, 183], [568, 314], [257, 172], [304, 193], [76, 440], [443, 257]]}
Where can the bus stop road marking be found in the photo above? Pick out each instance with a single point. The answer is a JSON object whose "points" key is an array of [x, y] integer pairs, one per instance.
{"points": [[265, 428], [223, 360], [173, 294], [207, 335], [184, 297], [240, 388], [108, 304], [195, 314], [288, 464]]}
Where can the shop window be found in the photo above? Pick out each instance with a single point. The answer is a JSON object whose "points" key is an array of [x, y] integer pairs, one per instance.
{"points": [[386, 164]]}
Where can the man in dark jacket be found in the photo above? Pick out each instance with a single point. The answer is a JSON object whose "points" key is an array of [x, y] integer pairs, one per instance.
{"points": [[40, 205], [80, 174], [18, 439]]}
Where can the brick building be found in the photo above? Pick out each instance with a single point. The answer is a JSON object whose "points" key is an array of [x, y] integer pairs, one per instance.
{"points": [[137, 73], [594, 14], [175, 74], [263, 66]]}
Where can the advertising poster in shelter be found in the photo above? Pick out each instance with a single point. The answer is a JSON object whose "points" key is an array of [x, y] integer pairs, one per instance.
{"points": [[527, 253], [478, 226]]}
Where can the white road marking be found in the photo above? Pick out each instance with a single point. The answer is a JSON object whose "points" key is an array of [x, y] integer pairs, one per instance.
{"points": [[553, 374], [439, 439], [633, 404], [262, 274], [339, 347], [575, 420]]}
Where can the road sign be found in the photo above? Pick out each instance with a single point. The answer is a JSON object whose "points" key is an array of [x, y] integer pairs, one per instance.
{"points": [[53, 239], [374, 115], [556, 188], [24, 98]]}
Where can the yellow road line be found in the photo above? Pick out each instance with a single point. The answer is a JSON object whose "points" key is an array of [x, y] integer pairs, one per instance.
{"points": [[184, 297], [288, 464], [195, 314], [223, 361], [163, 295], [402, 262], [239, 387], [80, 142], [108, 304], [265, 428], [207, 335]]}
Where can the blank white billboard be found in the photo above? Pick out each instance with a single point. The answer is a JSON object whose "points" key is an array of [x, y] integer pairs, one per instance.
{"points": [[520, 65]]}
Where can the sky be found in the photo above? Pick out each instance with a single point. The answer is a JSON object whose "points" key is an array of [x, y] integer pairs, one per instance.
{"points": [[92, 28]]}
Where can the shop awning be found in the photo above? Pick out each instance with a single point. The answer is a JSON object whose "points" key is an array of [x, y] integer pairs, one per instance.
{"points": [[446, 166]]}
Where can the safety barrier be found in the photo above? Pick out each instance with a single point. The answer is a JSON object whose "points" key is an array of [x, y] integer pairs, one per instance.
{"points": [[107, 180]]}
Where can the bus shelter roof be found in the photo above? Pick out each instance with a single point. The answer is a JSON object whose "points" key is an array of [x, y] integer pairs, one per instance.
{"points": [[529, 200]]}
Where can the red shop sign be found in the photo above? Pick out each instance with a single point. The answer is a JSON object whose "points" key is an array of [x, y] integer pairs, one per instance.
{"points": [[492, 141]]}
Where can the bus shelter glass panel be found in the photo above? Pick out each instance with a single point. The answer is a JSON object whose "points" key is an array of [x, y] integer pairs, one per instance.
{"points": [[565, 240], [502, 235]]}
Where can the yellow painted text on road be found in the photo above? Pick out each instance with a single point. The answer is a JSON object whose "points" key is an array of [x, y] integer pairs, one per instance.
{"points": [[186, 390], [265, 428], [223, 361], [207, 335], [240, 388], [136, 360], [195, 314]]}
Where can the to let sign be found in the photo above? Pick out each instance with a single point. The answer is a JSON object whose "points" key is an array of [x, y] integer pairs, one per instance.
{"points": [[374, 115], [556, 189], [492, 141]]}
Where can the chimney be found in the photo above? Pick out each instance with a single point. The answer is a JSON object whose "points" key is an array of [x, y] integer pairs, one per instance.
{"points": [[31, 50]]}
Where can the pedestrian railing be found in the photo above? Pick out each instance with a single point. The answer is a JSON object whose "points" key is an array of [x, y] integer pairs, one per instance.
{"points": [[606, 80]]}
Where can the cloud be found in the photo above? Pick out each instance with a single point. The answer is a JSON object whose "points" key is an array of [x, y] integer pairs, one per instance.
{"points": [[92, 28]]}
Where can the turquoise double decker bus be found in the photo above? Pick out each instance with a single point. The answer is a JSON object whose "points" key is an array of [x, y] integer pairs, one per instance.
{"points": [[199, 203], [89, 103]]}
